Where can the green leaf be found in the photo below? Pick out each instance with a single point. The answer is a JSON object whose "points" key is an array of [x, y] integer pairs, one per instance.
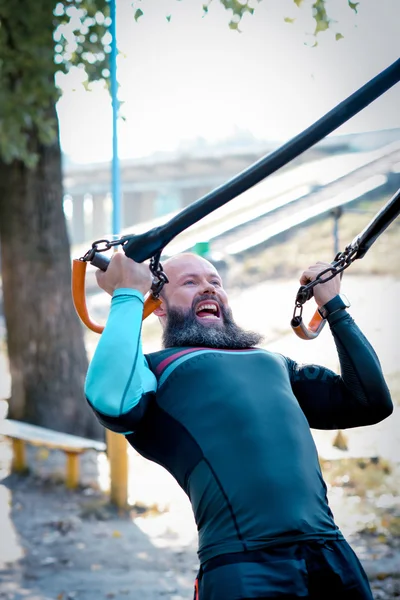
{"points": [[86, 84], [353, 5], [52, 36], [320, 16], [45, 38], [339, 36], [321, 26]]}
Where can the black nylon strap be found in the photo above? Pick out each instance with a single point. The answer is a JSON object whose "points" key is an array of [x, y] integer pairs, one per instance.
{"points": [[142, 247]]}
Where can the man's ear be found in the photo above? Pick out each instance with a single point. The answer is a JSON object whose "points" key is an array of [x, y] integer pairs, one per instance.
{"points": [[161, 310]]}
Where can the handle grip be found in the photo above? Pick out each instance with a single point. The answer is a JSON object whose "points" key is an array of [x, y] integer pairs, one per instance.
{"points": [[313, 330], [100, 261], [317, 322], [79, 297]]}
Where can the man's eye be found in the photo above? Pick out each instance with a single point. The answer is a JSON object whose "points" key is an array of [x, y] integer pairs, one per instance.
{"points": [[216, 282], [189, 282]]}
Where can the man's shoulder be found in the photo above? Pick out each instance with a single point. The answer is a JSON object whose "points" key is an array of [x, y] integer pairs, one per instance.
{"points": [[169, 358], [158, 360], [166, 352]]}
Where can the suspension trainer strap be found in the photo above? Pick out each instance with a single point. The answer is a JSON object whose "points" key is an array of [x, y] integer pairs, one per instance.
{"points": [[143, 246], [357, 249]]}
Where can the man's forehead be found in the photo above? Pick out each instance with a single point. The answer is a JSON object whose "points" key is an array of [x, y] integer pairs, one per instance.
{"points": [[188, 264], [196, 273]]}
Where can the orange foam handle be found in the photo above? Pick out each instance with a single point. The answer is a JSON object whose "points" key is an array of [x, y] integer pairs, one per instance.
{"points": [[313, 330], [150, 305], [79, 298]]}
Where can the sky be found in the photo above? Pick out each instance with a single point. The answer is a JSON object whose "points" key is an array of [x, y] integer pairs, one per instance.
{"points": [[193, 78]]}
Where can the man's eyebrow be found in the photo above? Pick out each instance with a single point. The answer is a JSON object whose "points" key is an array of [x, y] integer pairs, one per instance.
{"points": [[195, 275]]}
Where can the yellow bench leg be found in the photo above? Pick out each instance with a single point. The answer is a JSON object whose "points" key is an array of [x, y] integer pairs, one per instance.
{"points": [[117, 451], [72, 479], [19, 457]]}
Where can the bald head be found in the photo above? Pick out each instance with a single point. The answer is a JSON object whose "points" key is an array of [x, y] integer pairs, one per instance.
{"points": [[186, 262]]}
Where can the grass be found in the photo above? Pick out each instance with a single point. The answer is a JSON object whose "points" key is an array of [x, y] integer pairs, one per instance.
{"points": [[368, 491], [360, 476]]}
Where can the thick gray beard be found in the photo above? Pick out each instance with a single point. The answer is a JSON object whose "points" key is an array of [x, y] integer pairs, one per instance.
{"points": [[183, 329]]}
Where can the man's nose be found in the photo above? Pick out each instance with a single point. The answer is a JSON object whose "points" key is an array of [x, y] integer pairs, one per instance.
{"points": [[208, 287]]}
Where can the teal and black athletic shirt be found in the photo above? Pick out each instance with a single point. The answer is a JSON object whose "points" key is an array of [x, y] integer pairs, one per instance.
{"points": [[233, 427]]}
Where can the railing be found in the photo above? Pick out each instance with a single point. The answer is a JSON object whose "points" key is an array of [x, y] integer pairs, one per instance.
{"points": [[341, 183], [276, 191]]}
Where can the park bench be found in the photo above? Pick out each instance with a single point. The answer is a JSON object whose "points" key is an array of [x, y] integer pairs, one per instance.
{"points": [[22, 433]]}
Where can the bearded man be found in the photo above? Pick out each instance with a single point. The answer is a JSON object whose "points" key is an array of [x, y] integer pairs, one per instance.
{"points": [[231, 422]]}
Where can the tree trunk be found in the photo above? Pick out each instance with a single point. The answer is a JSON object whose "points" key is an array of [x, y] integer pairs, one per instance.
{"points": [[45, 342]]}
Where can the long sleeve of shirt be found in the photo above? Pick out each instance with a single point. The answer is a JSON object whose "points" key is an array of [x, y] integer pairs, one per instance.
{"points": [[357, 397], [119, 383]]}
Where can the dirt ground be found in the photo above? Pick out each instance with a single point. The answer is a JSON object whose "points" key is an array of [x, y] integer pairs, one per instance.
{"points": [[65, 554], [57, 545]]}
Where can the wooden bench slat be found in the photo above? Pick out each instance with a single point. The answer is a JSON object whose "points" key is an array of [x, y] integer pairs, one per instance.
{"points": [[54, 439], [72, 445]]}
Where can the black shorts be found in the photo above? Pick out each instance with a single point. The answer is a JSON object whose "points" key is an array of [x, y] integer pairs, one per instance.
{"points": [[318, 570]]}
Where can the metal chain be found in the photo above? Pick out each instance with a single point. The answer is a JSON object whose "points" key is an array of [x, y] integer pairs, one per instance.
{"points": [[97, 247], [160, 278], [341, 262]]}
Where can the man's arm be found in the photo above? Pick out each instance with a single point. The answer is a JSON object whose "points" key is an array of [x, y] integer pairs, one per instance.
{"points": [[357, 397], [119, 383]]}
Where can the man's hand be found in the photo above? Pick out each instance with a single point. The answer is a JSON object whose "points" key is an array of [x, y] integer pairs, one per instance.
{"points": [[123, 272], [323, 292]]}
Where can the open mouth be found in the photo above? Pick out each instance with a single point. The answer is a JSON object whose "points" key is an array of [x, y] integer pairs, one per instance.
{"points": [[208, 311]]}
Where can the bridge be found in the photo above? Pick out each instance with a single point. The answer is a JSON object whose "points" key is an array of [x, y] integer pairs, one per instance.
{"points": [[287, 200], [162, 184]]}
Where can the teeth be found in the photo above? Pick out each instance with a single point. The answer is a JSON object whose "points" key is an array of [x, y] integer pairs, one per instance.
{"points": [[208, 306]]}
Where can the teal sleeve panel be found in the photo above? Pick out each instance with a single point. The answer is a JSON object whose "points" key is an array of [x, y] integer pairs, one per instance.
{"points": [[357, 397], [119, 380]]}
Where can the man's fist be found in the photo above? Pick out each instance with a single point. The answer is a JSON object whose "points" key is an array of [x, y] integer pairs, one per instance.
{"points": [[123, 272], [323, 292]]}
